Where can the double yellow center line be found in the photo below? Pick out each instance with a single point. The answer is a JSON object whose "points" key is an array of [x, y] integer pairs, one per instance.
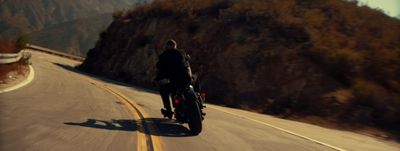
{"points": [[145, 141]]}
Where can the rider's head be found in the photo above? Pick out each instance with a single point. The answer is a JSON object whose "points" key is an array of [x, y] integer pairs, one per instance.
{"points": [[171, 44]]}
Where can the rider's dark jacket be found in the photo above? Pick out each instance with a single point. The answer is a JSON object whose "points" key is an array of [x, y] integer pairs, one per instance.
{"points": [[173, 64]]}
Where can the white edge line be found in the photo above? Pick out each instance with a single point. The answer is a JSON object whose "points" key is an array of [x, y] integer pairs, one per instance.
{"points": [[23, 83], [283, 130]]}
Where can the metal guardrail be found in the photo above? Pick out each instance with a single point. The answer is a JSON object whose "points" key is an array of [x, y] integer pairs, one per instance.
{"points": [[6, 58], [54, 52]]}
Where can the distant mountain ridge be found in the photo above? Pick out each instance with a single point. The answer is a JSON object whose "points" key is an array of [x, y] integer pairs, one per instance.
{"points": [[27, 16], [81, 36]]}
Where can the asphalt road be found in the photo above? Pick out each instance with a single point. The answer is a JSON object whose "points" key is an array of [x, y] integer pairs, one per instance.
{"points": [[65, 110]]}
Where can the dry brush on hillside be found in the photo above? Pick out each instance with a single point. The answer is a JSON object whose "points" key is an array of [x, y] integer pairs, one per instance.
{"points": [[328, 58]]}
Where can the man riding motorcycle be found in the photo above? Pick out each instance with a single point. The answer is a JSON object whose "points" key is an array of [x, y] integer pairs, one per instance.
{"points": [[173, 73]]}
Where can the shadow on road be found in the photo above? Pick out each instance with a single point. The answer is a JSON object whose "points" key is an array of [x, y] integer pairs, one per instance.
{"points": [[121, 125], [164, 127]]}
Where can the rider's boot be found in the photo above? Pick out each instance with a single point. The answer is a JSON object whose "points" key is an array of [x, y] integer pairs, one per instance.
{"points": [[167, 113]]}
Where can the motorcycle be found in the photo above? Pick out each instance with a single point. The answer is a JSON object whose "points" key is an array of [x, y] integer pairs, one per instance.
{"points": [[188, 108]]}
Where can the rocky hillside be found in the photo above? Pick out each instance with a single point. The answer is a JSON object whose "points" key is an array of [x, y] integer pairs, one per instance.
{"points": [[43, 16], [328, 58]]}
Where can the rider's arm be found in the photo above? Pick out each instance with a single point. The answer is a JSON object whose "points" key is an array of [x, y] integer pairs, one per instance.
{"points": [[188, 57], [159, 67]]}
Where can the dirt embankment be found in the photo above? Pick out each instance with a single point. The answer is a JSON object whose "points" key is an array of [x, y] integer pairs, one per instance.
{"points": [[12, 73]]}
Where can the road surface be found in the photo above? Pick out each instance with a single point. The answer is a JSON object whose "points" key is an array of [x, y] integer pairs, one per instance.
{"points": [[65, 110]]}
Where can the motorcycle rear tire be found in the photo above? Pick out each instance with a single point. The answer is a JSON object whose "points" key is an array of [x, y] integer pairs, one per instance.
{"points": [[194, 114]]}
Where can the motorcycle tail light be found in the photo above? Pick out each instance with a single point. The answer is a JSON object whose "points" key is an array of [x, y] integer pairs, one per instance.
{"points": [[176, 101], [203, 95]]}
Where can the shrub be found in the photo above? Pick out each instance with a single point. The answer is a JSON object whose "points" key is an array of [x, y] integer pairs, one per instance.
{"points": [[368, 94], [314, 18], [7, 46], [370, 99], [117, 14], [347, 62], [383, 65], [21, 42], [384, 106], [143, 40], [13, 46], [193, 28], [340, 63]]}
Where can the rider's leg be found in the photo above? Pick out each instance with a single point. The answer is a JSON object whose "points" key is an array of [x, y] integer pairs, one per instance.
{"points": [[196, 84], [165, 92]]}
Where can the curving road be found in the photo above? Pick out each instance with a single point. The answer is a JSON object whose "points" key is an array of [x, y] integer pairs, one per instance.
{"points": [[65, 110]]}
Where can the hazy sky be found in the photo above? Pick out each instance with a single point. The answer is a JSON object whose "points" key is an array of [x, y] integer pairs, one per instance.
{"points": [[391, 7]]}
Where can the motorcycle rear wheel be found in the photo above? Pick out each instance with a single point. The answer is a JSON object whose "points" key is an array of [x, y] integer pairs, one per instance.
{"points": [[194, 114]]}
